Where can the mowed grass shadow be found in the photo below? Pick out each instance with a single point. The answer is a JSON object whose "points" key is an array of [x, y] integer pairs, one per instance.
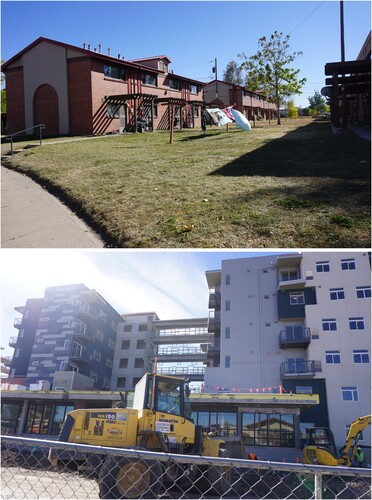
{"points": [[309, 151]]}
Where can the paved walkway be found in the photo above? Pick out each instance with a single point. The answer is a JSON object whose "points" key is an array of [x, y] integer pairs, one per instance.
{"points": [[33, 218]]}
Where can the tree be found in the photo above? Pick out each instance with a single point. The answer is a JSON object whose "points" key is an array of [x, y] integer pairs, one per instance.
{"points": [[292, 111], [268, 71], [233, 73], [317, 103]]}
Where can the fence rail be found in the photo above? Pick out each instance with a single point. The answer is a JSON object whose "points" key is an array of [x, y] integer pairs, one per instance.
{"points": [[84, 471]]}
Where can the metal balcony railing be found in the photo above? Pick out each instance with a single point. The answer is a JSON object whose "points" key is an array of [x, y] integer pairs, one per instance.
{"points": [[13, 341], [299, 368], [17, 322], [294, 337], [78, 354]]}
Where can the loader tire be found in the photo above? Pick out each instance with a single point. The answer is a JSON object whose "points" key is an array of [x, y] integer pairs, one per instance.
{"points": [[123, 477]]}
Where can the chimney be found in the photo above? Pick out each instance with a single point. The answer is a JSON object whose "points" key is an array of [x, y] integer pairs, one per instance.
{"points": [[119, 55], [100, 48], [88, 46], [109, 51]]}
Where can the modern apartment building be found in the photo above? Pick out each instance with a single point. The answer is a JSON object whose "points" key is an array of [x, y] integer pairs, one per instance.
{"points": [[82, 90], [172, 347], [66, 339], [302, 321]]}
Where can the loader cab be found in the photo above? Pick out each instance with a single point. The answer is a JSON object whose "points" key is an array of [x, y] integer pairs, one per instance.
{"points": [[160, 393]]}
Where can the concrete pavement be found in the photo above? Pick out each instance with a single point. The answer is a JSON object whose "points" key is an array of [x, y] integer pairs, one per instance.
{"points": [[33, 218]]}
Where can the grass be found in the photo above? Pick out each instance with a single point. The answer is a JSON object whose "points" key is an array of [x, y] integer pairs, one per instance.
{"points": [[293, 186]]}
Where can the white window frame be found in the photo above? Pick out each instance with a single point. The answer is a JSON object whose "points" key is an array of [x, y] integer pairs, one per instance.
{"points": [[363, 292], [329, 321], [337, 293], [348, 264], [294, 298], [354, 394], [361, 353], [359, 324], [332, 357], [323, 266]]}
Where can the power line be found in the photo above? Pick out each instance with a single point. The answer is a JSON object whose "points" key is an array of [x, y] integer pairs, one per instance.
{"points": [[307, 17]]}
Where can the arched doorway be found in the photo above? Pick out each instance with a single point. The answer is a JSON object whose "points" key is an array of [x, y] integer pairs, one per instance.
{"points": [[46, 109]]}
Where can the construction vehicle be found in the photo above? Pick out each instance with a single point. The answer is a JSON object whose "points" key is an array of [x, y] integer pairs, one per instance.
{"points": [[320, 446], [160, 421]]}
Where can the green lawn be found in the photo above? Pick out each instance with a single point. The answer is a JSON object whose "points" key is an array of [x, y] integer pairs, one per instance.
{"points": [[293, 186]]}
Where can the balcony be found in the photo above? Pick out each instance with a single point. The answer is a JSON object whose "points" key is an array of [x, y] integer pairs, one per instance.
{"points": [[7, 360], [82, 333], [292, 284], [299, 368], [80, 355], [214, 321], [18, 323], [214, 298], [293, 337], [181, 353], [13, 341]]}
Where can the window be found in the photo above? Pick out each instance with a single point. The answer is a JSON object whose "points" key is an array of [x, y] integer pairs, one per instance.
{"points": [[112, 110], [99, 335], [142, 327], [121, 382], [361, 356], [111, 344], [329, 325], [289, 274], [114, 72], [123, 363], [148, 79], [363, 292], [66, 345], [175, 84], [141, 344], [60, 412], [227, 279], [136, 380], [296, 298], [127, 328], [114, 326], [333, 357], [349, 393], [109, 362], [94, 376], [10, 417], [348, 264], [323, 267], [227, 305], [125, 345], [96, 355], [227, 332], [80, 327], [304, 389], [227, 361], [102, 316], [337, 293], [356, 324], [268, 429], [222, 424], [38, 416], [193, 88], [139, 363]]}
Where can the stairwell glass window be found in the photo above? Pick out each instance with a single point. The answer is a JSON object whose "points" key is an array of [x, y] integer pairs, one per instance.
{"points": [[356, 324], [361, 356], [296, 298], [323, 267], [363, 292], [114, 72], [227, 361], [329, 325], [149, 79], [349, 394], [337, 293], [227, 305], [348, 264], [333, 357]]}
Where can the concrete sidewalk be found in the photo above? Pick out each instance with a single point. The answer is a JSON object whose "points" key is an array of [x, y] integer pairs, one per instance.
{"points": [[33, 218]]}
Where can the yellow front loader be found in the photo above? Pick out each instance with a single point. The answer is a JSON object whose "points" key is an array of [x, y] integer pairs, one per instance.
{"points": [[160, 421]]}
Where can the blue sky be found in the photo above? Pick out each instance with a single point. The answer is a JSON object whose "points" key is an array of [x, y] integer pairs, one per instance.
{"points": [[171, 283], [192, 33]]}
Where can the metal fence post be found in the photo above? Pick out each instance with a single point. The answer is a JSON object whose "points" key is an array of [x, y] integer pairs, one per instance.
{"points": [[318, 485]]}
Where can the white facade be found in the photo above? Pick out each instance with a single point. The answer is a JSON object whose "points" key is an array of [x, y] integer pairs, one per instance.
{"points": [[335, 288]]}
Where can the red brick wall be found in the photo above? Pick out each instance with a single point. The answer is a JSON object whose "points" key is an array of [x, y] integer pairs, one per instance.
{"points": [[80, 96], [15, 100]]}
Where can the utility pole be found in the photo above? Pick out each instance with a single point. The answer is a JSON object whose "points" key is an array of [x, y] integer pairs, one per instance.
{"points": [[215, 73], [342, 31]]}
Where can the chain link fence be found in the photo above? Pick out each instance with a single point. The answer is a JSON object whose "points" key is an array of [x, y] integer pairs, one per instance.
{"points": [[33, 468]]}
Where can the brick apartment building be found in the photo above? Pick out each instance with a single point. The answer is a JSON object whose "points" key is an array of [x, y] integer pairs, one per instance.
{"points": [[78, 91], [252, 104]]}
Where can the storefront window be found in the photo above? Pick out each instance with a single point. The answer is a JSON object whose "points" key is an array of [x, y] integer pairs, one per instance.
{"points": [[10, 416], [268, 429], [46, 418], [222, 424]]}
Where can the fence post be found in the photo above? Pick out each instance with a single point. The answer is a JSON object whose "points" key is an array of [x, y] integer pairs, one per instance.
{"points": [[318, 485]]}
